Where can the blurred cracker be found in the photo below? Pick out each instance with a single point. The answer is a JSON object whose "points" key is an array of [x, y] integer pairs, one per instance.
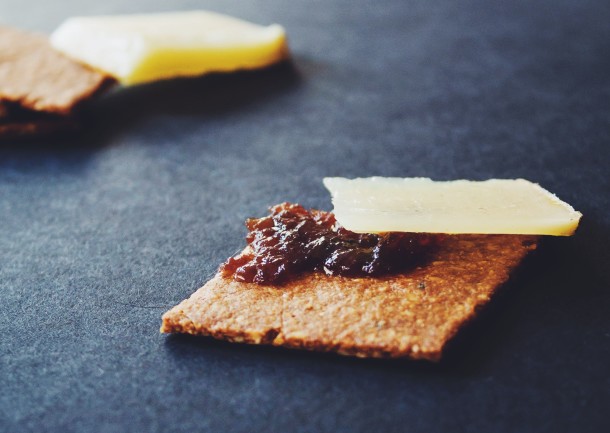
{"points": [[36, 128], [38, 78]]}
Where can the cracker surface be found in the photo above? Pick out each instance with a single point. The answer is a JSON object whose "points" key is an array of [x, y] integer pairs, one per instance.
{"points": [[409, 315]]}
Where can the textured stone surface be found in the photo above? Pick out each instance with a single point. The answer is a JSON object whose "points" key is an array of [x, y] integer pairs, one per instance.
{"points": [[101, 234]]}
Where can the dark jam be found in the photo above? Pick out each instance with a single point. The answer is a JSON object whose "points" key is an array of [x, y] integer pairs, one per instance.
{"points": [[292, 240]]}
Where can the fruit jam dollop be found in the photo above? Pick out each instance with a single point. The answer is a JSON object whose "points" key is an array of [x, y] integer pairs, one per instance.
{"points": [[293, 240]]}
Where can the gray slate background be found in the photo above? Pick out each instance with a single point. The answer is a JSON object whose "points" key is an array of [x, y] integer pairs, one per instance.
{"points": [[102, 232]]}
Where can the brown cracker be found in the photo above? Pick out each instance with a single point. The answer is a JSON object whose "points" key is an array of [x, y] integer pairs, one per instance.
{"points": [[409, 315], [15, 122], [35, 128], [38, 78]]}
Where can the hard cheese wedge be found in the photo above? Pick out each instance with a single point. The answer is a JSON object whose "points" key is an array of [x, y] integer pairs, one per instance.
{"points": [[141, 48], [499, 206]]}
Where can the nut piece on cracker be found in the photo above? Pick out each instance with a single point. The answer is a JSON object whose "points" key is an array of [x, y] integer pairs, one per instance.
{"points": [[40, 88], [410, 315]]}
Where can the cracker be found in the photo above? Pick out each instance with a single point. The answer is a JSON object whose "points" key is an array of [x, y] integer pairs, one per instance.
{"points": [[35, 128], [16, 122], [38, 78], [407, 315]]}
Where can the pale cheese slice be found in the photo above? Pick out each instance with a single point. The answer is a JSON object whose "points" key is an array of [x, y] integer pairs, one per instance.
{"points": [[141, 48], [500, 206]]}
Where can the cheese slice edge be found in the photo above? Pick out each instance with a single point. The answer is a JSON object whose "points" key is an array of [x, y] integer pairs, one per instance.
{"points": [[495, 206]]}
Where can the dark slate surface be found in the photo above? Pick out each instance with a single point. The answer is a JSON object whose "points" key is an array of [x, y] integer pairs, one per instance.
{"points": [[102, 232]]}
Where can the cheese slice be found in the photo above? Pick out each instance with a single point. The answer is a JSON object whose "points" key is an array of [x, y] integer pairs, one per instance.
{"points": [[140, 48], [500, 206]]}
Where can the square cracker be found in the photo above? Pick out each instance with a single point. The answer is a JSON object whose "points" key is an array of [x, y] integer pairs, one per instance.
{"points": [[406, 315], [36, 77]]}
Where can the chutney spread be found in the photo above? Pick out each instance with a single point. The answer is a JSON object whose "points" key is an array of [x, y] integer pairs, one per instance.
{"points": [[292, 240]]}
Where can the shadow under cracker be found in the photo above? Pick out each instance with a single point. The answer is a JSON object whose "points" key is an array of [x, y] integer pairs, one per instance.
{"points": [[208, 96], [119, 109]]}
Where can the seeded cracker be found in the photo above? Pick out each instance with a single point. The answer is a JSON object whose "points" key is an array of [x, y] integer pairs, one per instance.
{"points": [[410, 315], [39, 87]]}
